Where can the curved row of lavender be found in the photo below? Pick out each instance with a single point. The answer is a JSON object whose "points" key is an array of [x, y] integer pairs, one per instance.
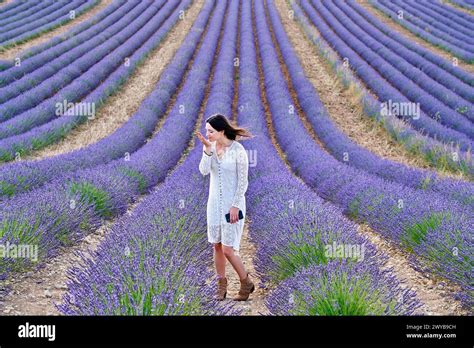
{"points": [[458, 48], [439, 15], [21, 17], [36, 11], [168, 223], [443, 27], [291, 226], [453, 92], [69, 36], [21, 176], [102, 80], [45, 23], [33, 71], [384, 91], [48, 92], [421, 57], [343, 148], [440, 155], [431, 18], [13, 8], [63, 211], [384, 62], [437, 230]]}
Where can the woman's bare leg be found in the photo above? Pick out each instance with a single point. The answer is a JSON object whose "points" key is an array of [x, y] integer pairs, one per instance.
{"points": [[219, 260], [235, 261]]}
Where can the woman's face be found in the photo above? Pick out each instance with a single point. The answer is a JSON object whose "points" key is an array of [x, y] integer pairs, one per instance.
{"points": [[212, 134]]}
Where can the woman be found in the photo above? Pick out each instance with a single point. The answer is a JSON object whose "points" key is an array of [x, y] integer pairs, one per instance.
{"points": [[227, 162]]}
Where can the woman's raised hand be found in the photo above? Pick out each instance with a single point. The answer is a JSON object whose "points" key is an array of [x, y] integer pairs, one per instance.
{"points": [[207, 144]]}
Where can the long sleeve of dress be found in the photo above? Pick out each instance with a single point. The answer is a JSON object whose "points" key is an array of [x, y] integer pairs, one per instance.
{"points": [[242, 179], [205, 164]]}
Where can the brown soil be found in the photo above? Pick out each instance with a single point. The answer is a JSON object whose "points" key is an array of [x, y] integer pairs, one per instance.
{"points": [[13, 51]]}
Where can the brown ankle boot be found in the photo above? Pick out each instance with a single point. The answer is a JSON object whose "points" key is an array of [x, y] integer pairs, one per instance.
{"points": [[221, 289], [246, 288]]}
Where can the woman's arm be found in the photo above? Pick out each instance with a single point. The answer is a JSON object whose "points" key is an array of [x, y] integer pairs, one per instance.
{"points": [[242, 178], [205, 164]]}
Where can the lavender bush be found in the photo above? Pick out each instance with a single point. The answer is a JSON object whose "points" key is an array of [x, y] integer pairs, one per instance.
{"points": [[399, 213]]}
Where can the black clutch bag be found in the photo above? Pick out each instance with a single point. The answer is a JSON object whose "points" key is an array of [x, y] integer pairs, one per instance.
{"points": [[241, 216]]}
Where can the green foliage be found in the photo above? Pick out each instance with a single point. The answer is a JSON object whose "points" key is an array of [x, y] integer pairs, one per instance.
{"points": [[416, 233], [91, 194], [342, 296]]}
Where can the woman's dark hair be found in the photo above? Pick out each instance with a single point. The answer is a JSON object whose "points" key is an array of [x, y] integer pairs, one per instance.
{"points": [[221, 123]]}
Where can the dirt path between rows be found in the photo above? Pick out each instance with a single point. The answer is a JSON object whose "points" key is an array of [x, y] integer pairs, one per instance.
{"points": [[13, 51]]}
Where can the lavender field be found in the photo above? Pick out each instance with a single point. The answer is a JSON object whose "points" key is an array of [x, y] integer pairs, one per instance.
{"points": [[360, 197]]}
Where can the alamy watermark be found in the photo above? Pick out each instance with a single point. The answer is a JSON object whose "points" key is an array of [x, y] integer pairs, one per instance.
{"points": [[405, 109], [75, 109], [20, 251], [353, 251], [248, 156]]}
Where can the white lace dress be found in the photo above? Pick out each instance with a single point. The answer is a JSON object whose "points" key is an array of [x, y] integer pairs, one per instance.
{"points": [[227, 187]]}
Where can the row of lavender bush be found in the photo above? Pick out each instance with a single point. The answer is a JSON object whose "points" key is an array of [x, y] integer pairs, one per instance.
{"points": [[19, 15], [464, 3], [451, 91], [384, 91], [437, 16], [40, 10], [430, 20], [13, 8], [69, 35], [96, 53], [35, 70], [426, 56], [291, 226]]}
